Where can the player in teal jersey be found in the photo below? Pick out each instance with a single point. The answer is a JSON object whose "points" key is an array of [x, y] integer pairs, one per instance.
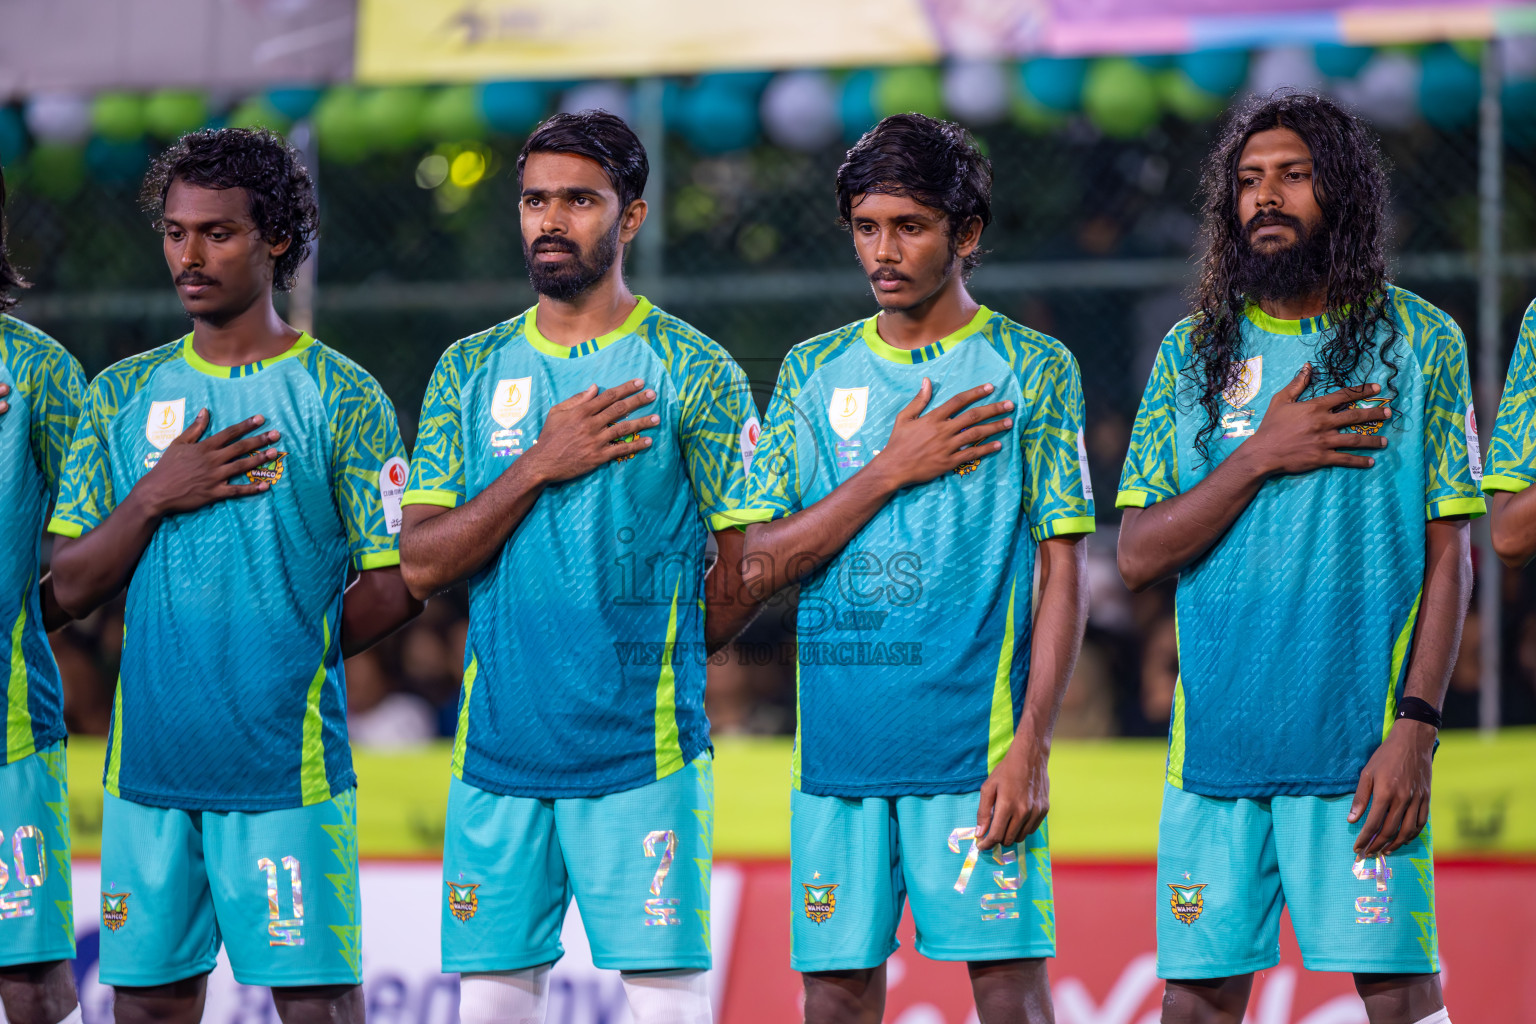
{"points": [[1304, 461], [41, 387], [570, 465], [915, 469], [233, 480], [1512, 455]]}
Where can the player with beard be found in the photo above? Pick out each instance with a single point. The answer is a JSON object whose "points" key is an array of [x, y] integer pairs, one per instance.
{"points": [[916, 469], [242, 483], [570, 465], [1304, 462], [41, 387]]}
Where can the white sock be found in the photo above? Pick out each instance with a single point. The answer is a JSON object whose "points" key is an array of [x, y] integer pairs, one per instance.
{"points": [[74, 1016], [504, 997], [1440, 1016], [668, 997]]}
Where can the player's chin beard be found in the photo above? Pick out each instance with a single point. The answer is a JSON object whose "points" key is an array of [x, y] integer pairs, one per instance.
{"points": [[1290, 271], [564, 281]]}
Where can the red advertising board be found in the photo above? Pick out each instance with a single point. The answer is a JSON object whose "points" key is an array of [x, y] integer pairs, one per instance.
{"points": [[1106, 973]]}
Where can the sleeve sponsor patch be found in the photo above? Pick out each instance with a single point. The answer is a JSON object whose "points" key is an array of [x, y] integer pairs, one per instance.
{"points": [[392, 480], [1474, 451], [1082, 466], [750, 432]]}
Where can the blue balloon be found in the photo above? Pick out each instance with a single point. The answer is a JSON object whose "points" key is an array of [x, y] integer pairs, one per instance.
{"points": [[1449, 88], [120, 162], [13, 135], [294, 102], [1519, 100], [1055, 83], [752, 82], [1218, 72], [719, 117], [513, 108], [1155, 61], [856, 105], [1339, 61]]}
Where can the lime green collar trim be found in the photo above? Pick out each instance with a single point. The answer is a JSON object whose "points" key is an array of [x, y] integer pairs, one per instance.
{"points": [[1274, 325], [202, 365], [880, 347], [629, 326]]}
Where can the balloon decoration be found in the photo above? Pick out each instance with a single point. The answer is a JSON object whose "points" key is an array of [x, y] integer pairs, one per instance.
{"points": [[512, 108], [1449, 88], [453, 115], [610, 96], [1339, 61], [1055, 83], [121, 163], [856, 105], [56, 170], [13, 135], [294, 102], [171, 113], [118, 116], [340, 127], [1284, 67], [1120, 98], [1519, 100], [257, 112], [1386, 90], [58, 118], [1215, 72], [1186, 99], [800, 111], [909, 90], [719, 112], [977, 92]]}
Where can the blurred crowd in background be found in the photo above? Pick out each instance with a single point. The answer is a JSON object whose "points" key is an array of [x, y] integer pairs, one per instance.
{"points": [[1094, 228]]}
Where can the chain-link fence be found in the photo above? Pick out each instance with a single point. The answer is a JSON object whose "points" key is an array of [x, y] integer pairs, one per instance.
{"points": [[1091, 242]]}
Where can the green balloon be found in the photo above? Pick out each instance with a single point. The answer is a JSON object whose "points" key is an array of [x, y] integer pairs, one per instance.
{"points": [[340, 127], [1120, 97], [56, 171], [392, 117], [256, 112], [909, 90], [171, 113], [1185, 98], [1032, 115], [118, 116], [453, 115]]}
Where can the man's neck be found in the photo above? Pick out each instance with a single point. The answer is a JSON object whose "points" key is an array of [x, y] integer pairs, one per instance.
{"points": [[592, 314], [946, 312], [1298, 308], [249, 337]]}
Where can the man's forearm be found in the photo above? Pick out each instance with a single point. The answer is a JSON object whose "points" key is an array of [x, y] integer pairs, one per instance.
{"points": [[787, 550], [375, 605], [1057, 636], [1512, 519], [1442, 609], [728, 607], [1158, 541], [444, 548], [91, 569]]}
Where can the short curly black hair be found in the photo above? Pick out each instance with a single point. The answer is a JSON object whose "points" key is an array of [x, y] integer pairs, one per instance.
{"points": [[281, 191], [935, 163], [9, 278]]}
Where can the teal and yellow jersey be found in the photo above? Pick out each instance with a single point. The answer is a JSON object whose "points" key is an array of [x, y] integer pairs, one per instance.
{"points": [[914, 640], [1512, 452], [584, 666], [231, 696], [47, 386], [1295, 629]]}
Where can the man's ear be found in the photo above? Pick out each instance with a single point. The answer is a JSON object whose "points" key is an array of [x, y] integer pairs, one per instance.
{"points": [[631, 219], [278, 248], [968, 237]]}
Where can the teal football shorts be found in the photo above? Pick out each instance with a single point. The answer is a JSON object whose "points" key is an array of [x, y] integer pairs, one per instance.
{"points": [[37, 919], [1225, 868], [638, 863], [853, 862], [278, 888]]}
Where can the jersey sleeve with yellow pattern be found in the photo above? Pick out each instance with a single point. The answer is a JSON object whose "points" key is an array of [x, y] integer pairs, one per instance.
{"points": [[437, 463], [1452, 472], [716, 409], [85, 492], [1151, 471], [1057, 498], [365, 439], [1512, 454], [774, 489], [55, 386]]}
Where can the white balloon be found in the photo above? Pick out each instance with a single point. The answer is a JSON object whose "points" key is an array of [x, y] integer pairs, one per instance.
{"points": [[1386, 92], [609, 96], [1517, 54], [1284, 66], [976, 91], [799, 110], [58, 117]]}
